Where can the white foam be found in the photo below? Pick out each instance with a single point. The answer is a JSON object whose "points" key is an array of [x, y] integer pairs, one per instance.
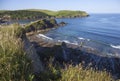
{"points": [[88, 39], [74, 43], [59, 41], [66, 41], [117, 46], [81, 38], [44, 37]]}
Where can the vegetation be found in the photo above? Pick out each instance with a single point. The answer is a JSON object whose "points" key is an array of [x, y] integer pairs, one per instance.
{"points": [[68, 13], [41, 24], [73, 73], [55, 71], [23, 14], [14, 66], [34, 14], [78, 73]]}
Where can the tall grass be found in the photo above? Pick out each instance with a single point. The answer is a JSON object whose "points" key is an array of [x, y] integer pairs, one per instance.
{"points": [[73, 73], [14, 66], [78, 73]]}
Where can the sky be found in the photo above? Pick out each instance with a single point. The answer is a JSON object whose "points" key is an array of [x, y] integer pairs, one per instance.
{"points": [[91, 6]]}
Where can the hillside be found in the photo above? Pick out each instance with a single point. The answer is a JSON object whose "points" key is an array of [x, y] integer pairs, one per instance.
{"points": [[22, 14], [34, 14]]}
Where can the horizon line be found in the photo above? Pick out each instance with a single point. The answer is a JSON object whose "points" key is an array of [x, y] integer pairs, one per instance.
{"points": [[60, 10]]}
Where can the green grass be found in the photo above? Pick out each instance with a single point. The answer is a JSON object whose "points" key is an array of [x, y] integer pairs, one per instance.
{"points": [[73, 73], [61, 12], [14, 66], [66, 13], [49, 12], [35, 14], [78, 73]]}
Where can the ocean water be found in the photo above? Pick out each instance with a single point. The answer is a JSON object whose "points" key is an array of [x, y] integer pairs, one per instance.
{"points": [[98, 31]]}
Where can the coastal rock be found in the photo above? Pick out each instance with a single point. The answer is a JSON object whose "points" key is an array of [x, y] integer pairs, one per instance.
{"points": [[69, 53], [41, 25], [37, 66], [62, 53], [75, 56], [62, 23]]}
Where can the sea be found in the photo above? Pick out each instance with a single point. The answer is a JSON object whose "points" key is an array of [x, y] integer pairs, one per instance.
{"points": [[98, 31]]}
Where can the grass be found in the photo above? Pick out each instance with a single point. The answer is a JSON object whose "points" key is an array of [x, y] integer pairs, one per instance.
{"points": [[61, 12], [14, 66], [78, 73], [73, 73], [37, 14]]}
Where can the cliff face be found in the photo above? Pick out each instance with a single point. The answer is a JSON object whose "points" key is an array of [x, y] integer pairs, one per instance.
{"points": [[36, 64], [41, 25]]}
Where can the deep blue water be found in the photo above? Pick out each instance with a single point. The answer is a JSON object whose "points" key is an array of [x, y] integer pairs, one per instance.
{"points": [[99, 31]]}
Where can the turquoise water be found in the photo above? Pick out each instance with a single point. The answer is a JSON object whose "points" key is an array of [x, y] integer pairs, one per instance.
{"points": [[98, 31]]}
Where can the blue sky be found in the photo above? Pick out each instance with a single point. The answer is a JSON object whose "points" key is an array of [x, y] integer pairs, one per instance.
{"points": [[91, 6]]}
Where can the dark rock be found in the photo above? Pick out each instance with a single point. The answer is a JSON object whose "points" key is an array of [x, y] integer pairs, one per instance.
{"points": [[62, 23]]}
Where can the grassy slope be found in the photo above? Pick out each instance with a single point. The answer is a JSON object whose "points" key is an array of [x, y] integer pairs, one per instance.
{"points": [[49, 12], [14, 66], [31, 13], [61, 12], [23, 14]]}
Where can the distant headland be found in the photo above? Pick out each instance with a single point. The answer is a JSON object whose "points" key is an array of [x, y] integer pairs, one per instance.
{"points": [[37, 14]]}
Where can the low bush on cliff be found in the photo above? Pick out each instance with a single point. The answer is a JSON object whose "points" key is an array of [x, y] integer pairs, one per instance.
{"points": [[14, 66], [41, 24]]}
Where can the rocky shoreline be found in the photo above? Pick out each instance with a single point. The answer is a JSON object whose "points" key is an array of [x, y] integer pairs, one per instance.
{"points": [[68, 53]]}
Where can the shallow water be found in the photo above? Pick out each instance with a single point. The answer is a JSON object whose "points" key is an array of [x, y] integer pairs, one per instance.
{"points": [[99, 31]]}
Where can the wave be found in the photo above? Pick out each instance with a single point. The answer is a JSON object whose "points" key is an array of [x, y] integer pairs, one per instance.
{"points": [[117, 46], [81, 38], [68, 42], [44, 37]]}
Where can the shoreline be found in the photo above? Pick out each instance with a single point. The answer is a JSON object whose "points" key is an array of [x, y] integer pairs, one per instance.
{"points": [[75, 54], [33, 37]]}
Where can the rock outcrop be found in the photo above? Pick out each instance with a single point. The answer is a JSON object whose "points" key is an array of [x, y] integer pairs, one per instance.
{"points": [[37, 66]]}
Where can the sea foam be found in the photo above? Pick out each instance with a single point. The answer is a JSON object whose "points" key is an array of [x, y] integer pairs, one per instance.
{"points": [[81, 38], [117, 46], [44, 37]]}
